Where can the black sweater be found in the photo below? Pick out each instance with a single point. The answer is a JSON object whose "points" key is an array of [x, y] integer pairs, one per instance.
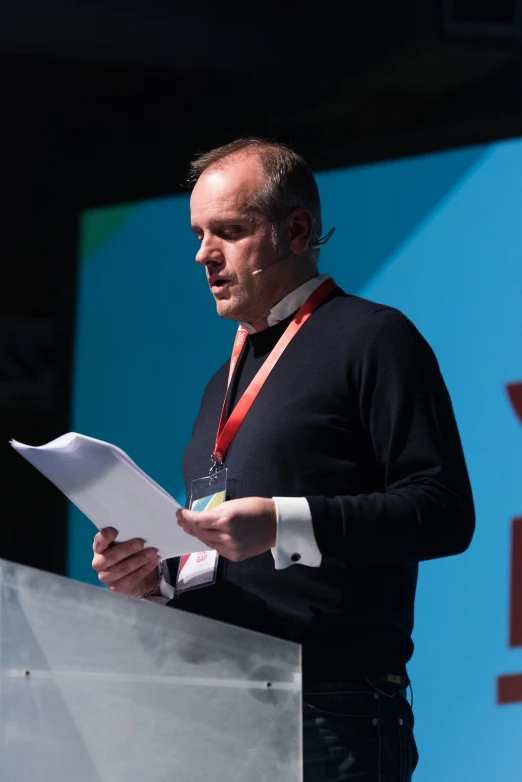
{"points": [[355, 417]]}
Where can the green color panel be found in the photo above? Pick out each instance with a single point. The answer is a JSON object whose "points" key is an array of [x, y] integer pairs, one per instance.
{"points": [[98, 225]]}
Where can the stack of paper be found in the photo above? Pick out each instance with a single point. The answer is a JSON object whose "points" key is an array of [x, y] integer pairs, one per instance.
{"points": [[112, 491]]}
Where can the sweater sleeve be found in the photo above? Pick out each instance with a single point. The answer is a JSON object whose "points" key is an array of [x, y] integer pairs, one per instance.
{"points": [[424, 508]]}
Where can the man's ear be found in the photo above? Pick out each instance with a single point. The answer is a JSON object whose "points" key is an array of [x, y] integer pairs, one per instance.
{"points": [[300, 230]]}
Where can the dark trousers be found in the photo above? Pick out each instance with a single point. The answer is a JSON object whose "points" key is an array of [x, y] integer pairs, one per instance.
{"points": [[360, 732]]}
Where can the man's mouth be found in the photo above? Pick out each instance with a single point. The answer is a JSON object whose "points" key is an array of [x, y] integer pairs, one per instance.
{"points": [[218, 285]]}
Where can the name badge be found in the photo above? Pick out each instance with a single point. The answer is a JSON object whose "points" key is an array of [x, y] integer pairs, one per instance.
{"points": [[200, 568]]}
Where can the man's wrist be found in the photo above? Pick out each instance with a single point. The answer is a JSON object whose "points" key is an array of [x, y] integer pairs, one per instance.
{"points": [[272, 513], [153, 586], [156, 592]]}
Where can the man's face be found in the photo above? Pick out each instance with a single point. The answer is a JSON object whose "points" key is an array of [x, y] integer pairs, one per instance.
{"points": [[235, 239]]}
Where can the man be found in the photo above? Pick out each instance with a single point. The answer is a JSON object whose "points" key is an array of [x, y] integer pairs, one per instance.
{"points": [[345, 471]]}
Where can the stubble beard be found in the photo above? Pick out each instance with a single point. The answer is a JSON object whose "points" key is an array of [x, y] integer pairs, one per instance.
{"points": [[241, 306]]}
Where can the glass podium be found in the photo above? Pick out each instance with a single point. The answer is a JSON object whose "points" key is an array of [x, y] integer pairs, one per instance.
{"points": [[98, 687]]}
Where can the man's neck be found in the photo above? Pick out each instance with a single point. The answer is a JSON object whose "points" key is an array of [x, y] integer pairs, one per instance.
{"points": [[261, 323]]}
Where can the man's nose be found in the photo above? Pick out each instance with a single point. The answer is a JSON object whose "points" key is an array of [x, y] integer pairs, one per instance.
{"points": [[209, 252]]}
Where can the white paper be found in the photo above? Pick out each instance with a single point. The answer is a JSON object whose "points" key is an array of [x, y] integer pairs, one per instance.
{"points": [[112, 491]]}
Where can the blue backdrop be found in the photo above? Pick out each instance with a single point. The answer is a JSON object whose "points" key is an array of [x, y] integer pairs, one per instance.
{"points": [[437, 236]]}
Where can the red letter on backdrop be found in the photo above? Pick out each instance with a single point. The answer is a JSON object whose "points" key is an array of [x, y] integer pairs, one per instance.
{"points": [[509, 688], [515, 631], [515, 395]]}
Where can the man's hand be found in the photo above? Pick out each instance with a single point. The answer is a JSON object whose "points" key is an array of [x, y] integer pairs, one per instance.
{"points": [[237, 529], [128, 567]]}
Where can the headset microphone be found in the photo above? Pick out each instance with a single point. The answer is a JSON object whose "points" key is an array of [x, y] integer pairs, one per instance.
{"points": [[319, 243], [280, 258]]}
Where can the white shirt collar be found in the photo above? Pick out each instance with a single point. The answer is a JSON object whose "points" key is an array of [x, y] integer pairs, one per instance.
{"points": [[290, 303]]}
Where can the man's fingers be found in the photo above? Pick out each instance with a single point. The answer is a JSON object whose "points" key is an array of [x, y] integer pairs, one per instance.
{"points": [[121, 551], [204, 517], [103, 539], [200, 529], [128, 583], [213, 538], [128, 566], [209, 537], [116, 553]]}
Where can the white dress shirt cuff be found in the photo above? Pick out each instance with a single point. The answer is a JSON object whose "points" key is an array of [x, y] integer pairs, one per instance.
{"points": [[166, 588], [295, 539]]}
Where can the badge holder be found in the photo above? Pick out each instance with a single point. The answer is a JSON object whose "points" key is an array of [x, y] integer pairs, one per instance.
{"points": [[200, 569]]}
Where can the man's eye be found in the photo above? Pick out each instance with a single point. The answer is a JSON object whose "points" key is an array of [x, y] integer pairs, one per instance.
{"points": [[231, 232]]}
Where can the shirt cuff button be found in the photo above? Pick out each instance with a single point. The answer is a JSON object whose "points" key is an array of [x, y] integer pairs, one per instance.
{"points": [[295, 557]]}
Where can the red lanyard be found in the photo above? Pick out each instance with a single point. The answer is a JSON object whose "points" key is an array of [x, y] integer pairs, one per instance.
{"points": [[228, 428]]}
